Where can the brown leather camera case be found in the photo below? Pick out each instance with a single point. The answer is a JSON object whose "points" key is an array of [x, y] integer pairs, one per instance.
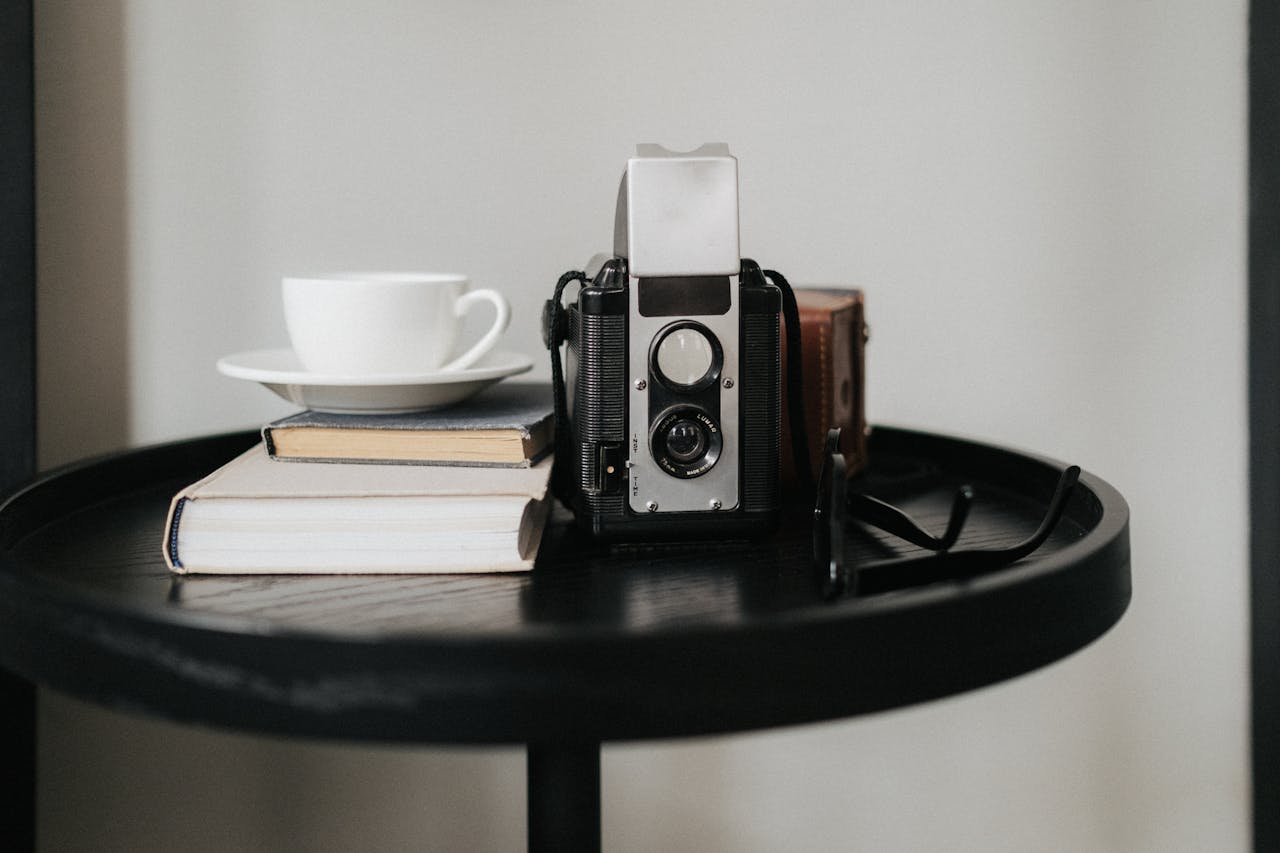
{"points": [[833, 336]]}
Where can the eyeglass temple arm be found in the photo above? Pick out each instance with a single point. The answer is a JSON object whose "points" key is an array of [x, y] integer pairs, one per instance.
{"points": [[893, 520], [895, 573], [1057, 505], [969, 562]]}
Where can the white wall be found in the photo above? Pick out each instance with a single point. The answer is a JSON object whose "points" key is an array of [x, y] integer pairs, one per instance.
{"points": [[1044, 202]]}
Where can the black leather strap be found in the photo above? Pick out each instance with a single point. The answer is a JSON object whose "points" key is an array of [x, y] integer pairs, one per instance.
{"points": [[554, 334], [795, 382]]}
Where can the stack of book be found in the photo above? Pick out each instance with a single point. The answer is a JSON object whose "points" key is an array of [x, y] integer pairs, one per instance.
{"points": [[463, 489]]}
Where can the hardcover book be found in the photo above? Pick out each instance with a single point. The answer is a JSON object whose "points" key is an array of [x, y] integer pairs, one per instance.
{"points": [[509, 424], [256, 516]]}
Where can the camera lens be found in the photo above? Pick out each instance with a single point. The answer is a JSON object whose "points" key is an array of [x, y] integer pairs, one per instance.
{"points": [[686, 440]]}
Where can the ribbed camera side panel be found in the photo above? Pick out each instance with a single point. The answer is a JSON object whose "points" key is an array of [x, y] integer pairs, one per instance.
{"points": [[762, 419], [600, 414]]}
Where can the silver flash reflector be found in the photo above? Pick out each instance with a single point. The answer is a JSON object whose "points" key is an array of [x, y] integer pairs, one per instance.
{"points": [[678, 213]]}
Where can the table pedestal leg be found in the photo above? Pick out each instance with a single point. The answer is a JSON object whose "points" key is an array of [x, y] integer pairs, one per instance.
{"points": [[18, 758], [564, 797]]}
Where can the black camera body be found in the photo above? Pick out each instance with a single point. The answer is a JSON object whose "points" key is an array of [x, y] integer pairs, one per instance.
{"points": [[673, 366]]}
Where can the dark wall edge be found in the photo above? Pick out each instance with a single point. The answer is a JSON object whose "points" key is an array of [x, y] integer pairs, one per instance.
{"points": [[17, 372], [1264, 415]]}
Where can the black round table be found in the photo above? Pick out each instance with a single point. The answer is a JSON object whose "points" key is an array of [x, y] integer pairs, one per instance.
{"points": [[596, 643]]}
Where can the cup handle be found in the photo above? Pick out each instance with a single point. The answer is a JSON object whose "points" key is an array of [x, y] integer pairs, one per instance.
{"points": [[500, 323]]}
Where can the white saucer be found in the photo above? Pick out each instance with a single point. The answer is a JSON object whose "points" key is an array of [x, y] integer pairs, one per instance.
{"points": [[280, 371]]}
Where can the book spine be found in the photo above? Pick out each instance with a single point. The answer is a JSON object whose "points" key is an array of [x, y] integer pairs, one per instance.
{"points": [[171, 542], [267, 441]]}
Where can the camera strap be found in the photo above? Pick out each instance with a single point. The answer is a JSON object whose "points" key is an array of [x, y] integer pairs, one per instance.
{"points": [[795, 382], [555, 333]]}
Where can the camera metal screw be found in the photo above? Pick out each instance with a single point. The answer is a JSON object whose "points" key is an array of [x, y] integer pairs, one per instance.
{"points": [[715, 503], [728, 383], [641, 385], [652, 506]]}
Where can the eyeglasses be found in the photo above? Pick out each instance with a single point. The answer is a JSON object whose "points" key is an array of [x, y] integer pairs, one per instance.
{"points": [[835, 506]]}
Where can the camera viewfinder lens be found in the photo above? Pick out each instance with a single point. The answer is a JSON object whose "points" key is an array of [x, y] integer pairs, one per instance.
{"points": [[685, 356]]}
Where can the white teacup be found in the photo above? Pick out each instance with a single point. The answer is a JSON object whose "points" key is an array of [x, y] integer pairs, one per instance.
{"points": [[361, 324]]}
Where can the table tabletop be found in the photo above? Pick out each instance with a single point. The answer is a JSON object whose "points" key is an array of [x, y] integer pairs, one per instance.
{"points": [[599, 642]]}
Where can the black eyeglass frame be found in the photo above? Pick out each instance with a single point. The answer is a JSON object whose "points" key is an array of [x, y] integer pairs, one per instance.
{"points": [[835, 506]]}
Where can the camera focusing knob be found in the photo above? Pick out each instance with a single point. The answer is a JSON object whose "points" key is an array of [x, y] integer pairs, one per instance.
{"points": [[553, 326]]}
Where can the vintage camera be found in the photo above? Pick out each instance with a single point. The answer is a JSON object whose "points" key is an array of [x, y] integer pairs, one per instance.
{"points": [[672, 373]]}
